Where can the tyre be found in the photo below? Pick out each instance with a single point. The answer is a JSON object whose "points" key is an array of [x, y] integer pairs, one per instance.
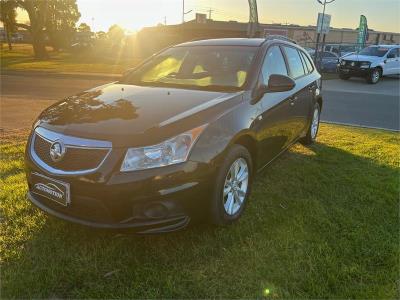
{"points": [[314, 126], [344, 76], [232, 188], [374, 76]]}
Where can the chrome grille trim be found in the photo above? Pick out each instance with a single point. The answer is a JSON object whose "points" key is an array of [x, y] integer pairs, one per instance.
{"points": [[69, 142]]}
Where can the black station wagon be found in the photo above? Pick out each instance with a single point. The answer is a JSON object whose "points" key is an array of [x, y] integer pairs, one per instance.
{"points": [[178, 138]]}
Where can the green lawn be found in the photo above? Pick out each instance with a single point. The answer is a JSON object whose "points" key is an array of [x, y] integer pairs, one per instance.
{"points": [[322, 222], [21, 59]]}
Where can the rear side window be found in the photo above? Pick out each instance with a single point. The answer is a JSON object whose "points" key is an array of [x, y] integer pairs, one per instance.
{"points": [[274, 63], [294, 61], [307, 62]]}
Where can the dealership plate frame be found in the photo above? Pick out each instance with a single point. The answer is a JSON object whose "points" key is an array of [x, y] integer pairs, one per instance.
{"points": [[66, 185]]}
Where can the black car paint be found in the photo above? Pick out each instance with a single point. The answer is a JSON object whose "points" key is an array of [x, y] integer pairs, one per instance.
{"points": [[266, 125]]}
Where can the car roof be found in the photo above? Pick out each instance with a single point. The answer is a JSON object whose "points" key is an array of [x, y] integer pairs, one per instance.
{"points": [[249, 42]]}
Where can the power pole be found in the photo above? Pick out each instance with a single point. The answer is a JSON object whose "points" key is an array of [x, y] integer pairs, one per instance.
{"points": [[165, 20], [209, 13], [183, 11]]}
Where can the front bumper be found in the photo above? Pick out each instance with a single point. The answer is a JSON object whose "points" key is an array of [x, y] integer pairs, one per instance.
{"points": [[149, 201], [147, 226], [354, 71]]}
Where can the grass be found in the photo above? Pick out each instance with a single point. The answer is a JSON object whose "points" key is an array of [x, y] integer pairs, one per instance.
{"points": [[322, 222], [21, 59]]}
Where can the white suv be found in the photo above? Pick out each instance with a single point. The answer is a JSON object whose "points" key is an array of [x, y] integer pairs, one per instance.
{"points": [[372, 63]]}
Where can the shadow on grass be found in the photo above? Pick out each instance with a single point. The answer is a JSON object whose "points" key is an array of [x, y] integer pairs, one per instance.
{"points": [[321, 222]]}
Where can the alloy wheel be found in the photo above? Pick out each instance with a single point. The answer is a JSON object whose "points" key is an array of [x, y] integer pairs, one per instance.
{"points": [[375, 76], [315, 123], [235, 187]]}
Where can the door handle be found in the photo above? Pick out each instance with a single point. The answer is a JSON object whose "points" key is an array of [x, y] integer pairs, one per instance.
{"points": [[292, 100]]}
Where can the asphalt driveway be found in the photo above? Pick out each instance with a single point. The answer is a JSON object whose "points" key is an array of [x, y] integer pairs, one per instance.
{"points": [[357, 103]]}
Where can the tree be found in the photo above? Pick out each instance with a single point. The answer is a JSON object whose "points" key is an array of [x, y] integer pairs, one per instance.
{"points": [[60, 23], [101, 35], [7, 16], [115, 35], [47, 16], [83, 27], [37, 12]]}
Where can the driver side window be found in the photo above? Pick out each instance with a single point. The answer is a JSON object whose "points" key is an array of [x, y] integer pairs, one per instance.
{"points": [[393, 53], [274, 63]]}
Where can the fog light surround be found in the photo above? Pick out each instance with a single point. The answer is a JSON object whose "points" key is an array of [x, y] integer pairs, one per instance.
{"points": [[156, 211]]}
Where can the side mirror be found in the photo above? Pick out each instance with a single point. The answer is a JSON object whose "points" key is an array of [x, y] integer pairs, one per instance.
{"points": [[280, 83]]}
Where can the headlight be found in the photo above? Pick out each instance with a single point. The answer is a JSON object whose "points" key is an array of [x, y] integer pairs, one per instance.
{"points": [[343, 62], [170, 152], [365, 64]]}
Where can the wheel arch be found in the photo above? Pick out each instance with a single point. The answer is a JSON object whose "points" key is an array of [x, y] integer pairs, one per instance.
{"points": [[380, 69], [249, 142], [319, 101]]}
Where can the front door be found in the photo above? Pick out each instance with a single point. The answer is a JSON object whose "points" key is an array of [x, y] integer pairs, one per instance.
{"points": [[392, 63], [273, 130]]}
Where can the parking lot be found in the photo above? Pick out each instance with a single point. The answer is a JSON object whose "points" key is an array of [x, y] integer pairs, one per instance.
{"points": [[347, 102], [357, 103]]}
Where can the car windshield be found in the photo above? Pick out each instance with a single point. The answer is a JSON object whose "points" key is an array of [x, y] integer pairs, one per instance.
{"points": [[201, 67], [347, 48], [374, 51]]}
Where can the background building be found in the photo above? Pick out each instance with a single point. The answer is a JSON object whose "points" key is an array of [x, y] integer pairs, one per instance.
{"points": [[153, 39]]}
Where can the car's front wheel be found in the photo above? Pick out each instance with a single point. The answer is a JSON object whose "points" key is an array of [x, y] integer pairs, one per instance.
{"points": [[374, 76], [232, 188]]}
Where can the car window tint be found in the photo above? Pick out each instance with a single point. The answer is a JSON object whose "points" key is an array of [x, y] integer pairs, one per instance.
{"points": [[294, 61], [393, 52], [274, 63], [208, 66], [306, 70], [307, 62]]}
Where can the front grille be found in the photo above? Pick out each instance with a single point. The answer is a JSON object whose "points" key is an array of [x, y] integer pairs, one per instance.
{"points": [[349, 63], [76, 158]]}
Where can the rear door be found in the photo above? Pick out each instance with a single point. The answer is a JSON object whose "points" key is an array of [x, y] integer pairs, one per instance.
{"points": [[273, 130], [302, 93]]}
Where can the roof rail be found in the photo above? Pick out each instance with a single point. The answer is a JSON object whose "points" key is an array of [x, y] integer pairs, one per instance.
{"points": [[279, 37]]}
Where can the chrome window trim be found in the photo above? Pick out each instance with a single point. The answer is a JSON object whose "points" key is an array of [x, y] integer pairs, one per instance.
{"points": [[69, 142]]}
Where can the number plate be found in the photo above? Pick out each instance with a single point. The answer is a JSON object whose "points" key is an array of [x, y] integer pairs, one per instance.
{"points": [[52, 189]]}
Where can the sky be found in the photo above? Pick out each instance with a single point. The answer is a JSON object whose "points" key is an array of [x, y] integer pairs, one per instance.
{"points": [[132, 15]]}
